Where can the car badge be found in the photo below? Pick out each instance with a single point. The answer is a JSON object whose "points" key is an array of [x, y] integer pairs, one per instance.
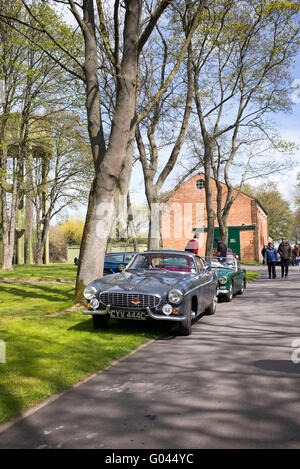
{"points": [[135, 301]]}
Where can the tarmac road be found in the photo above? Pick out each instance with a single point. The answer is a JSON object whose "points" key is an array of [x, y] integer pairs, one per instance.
{"points": [[231, 384]]}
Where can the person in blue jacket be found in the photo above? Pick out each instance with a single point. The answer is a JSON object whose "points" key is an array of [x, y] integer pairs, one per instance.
{"points": [[270, 258]]}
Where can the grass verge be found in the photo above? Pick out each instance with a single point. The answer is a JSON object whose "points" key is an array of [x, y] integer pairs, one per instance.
{"points": [[251, 263], [250, 275]]}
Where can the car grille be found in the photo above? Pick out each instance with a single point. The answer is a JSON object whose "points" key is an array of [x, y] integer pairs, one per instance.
{"points": [[129, 300]]}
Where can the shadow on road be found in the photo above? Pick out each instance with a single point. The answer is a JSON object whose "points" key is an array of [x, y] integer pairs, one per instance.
{"points": [[285, 366]]}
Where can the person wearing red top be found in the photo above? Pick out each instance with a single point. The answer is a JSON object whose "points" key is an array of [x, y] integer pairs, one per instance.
{"points": [[192, 245]]}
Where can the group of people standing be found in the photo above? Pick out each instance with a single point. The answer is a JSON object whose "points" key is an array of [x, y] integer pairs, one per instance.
{"points": [[286, 253], [270, 254]]}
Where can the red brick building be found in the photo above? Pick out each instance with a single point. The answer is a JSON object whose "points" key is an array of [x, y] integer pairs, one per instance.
{"points": [[185, 213]]}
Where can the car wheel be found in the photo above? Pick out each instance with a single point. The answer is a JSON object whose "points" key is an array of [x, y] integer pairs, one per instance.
{"points": [[213, 306], [185, 327], [100, 322], [228, 297], [241, 291]]}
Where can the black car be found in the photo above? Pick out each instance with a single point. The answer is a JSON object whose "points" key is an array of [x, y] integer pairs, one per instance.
{"points": [[156, 285]]}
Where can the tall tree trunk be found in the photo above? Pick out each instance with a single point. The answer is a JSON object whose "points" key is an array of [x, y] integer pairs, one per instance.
{"points": [[6, 245], [101, 200], [154, 238], [222, 221], [29, 212], [208, 198], [122, 197], [9, 215], [131, 224]]}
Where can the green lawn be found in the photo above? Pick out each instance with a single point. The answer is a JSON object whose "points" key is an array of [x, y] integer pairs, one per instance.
{"points": [[45, 355], [41, 272]]}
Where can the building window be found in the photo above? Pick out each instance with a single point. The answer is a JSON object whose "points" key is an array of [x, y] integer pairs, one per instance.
{"points": [[200, 184]]}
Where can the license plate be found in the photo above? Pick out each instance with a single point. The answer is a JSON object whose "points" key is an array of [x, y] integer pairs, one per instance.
{"points": [[138, 315]]}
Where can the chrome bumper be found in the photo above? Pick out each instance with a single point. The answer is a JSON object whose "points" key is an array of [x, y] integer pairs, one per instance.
{"points": [[96, 311], [222, 291], [160, 317], [163, 317]]}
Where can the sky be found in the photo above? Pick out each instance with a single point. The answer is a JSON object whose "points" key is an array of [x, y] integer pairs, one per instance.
{"points": [[288, 125]]}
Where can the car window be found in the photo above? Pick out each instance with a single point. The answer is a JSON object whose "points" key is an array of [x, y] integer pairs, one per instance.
{"points": [[200, 264], [114, 257], [228, 262], [164, 261], [129, 256]]}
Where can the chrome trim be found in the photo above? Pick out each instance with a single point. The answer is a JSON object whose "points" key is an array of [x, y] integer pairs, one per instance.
{"points": [[222, 291], [96, 311], [164, 317], [129, 293]]}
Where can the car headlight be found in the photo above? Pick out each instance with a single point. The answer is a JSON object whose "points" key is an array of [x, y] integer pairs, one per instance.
{"points": [[94, 303], [167, 309], [89, 292], [222, 280], [175, 296]]}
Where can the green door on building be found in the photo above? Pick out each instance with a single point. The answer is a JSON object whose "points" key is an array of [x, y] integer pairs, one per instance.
{"points": [[233, 240]]}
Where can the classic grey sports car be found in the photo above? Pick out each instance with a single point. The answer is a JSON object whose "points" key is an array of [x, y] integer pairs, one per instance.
{"points": [[156, 285]]}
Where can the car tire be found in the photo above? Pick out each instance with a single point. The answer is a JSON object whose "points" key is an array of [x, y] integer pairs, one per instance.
{"points": [[212, 307], [241, 291], [228, 297], [106, 272], [99, 321], [185, 327]]}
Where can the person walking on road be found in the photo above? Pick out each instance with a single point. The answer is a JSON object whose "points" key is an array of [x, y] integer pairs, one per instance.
{"points": [[285, 252], [270, 259]]}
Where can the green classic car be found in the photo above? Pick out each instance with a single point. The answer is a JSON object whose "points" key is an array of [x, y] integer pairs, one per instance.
{"points": [[231, 277]]}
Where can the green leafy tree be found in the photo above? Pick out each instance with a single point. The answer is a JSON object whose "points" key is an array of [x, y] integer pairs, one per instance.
{"points": [[280, 217]]}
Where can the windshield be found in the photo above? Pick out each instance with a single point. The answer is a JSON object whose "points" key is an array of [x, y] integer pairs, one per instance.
{"points": [[221, 262], [163, 261]]}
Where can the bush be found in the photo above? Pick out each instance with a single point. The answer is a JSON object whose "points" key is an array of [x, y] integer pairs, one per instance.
{"points": [[73, 230]]}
